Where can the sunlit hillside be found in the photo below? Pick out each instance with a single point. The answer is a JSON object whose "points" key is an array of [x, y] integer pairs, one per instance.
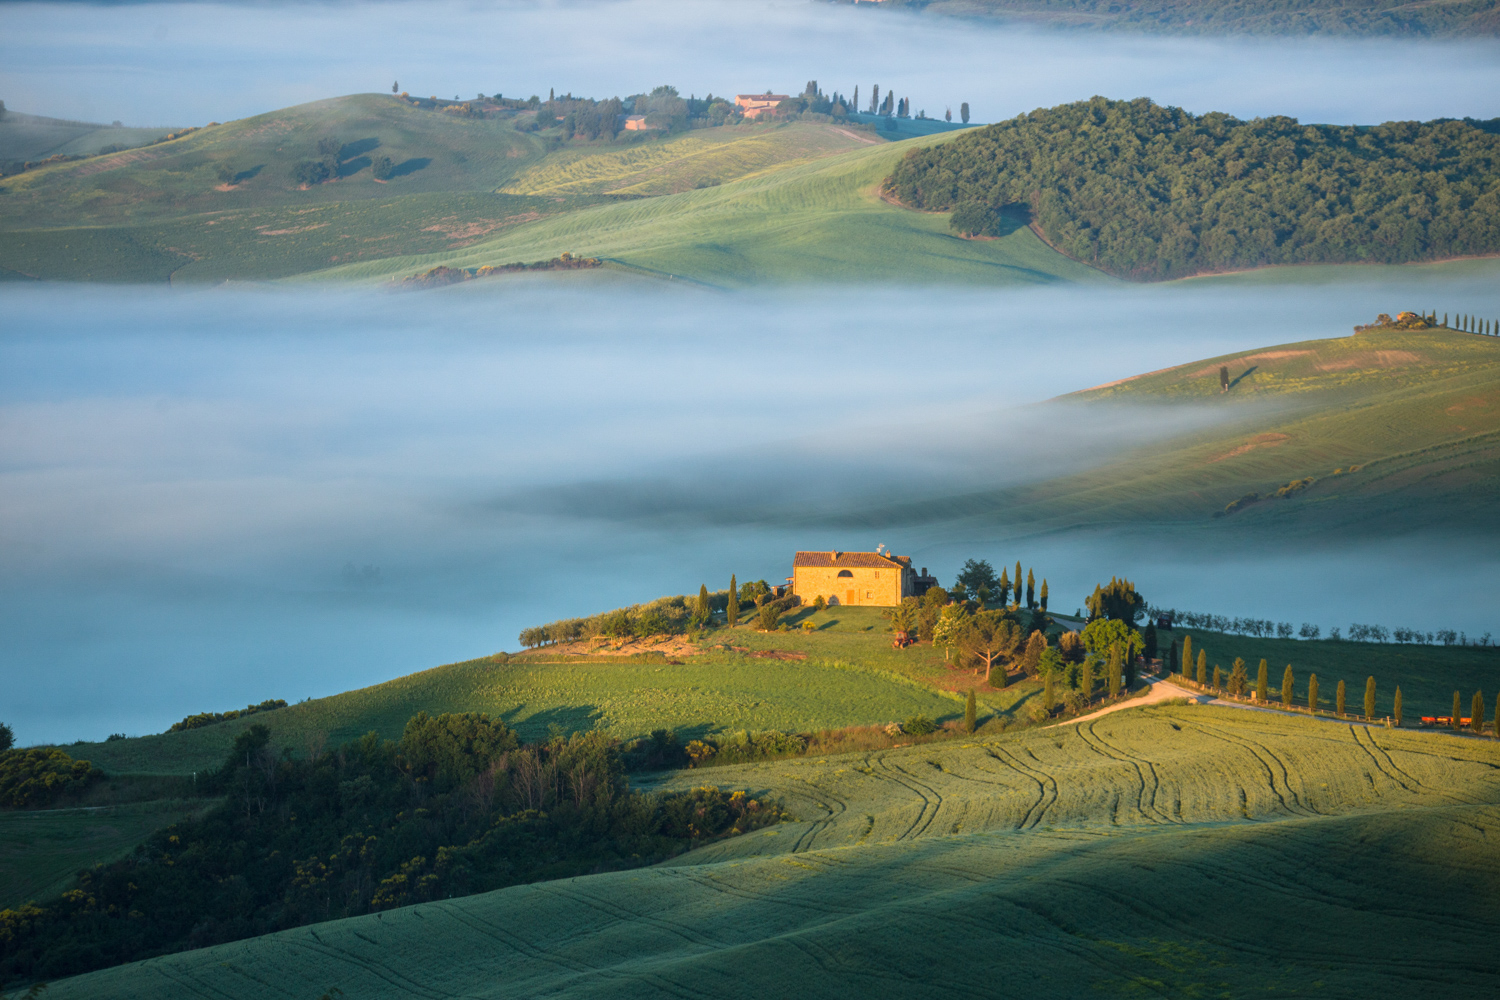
{"points": [[1174, 851]]}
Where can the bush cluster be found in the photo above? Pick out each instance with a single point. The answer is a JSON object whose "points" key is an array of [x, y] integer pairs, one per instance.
{"points": [[209, 718], [39, 776], [1147, 192], [456, 806]]}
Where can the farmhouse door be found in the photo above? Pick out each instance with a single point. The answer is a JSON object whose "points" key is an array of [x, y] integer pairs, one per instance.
{"points": [[849, 597]]}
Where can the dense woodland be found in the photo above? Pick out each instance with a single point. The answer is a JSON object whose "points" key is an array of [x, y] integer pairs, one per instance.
{"points": [[456, 806], [1395, 18], [1149, 192]]}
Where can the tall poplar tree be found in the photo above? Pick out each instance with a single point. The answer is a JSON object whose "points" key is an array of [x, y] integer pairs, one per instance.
{"points": [[1202, 666], [1457, 720], [1263, 682], [1369, 697], [1187, 654], [1042, 597], [1396, 709], [1338, 699], [732, 609], [970, 713], [1476, 713], [1312, 694], [1288, 683]]}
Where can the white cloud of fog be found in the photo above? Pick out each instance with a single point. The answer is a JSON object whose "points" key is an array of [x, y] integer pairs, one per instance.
{"points": [[187, 63], [184, 476]]}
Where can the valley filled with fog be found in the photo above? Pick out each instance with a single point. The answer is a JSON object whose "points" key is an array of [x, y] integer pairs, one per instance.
{"points": [[218, 496]]}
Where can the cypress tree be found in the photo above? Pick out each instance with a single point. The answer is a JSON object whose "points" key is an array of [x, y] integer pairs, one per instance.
{"points": [[1339, 699], [1396, 710], [1288, 684], [1049, 693], [1312, 694], [1495, 727], [732, 609], [1187, 654], [1202, 667], [1003, 587], [704, 611], [1115, 667], [1476, 713], [963, 112], [1018, 583], [1369, 697], [1030, 589], [1172, 657], [1042, 597], [1263, 682], [970, 713], [1456, 721], [1218, 678], [1086, 680], [1148, 642]]}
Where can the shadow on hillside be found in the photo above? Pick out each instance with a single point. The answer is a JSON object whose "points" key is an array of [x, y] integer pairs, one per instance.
{"points": [[1243, 375], [1016, 215], [245, 175], [410, 166], [350, 150], [539, 725], [351, 167]]}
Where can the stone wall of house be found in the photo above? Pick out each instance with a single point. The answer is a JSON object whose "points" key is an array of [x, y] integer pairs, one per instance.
{"points": [[870, 587]]}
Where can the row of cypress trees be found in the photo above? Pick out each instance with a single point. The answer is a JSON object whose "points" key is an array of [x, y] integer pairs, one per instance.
{"points": [[1473, 324]]}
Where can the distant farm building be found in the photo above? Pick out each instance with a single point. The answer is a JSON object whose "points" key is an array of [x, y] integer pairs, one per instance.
{"points": [[754, 105], [858, 578], [637, 123]]}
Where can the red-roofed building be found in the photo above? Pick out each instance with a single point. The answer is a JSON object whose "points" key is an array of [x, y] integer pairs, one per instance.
{"points": [[755, 105]]}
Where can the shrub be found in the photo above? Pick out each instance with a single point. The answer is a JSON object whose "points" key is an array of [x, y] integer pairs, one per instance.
{"points": [[30, 779], [209, 718], [819, 603], [770, 614], [311, 172], [919, 725], [382, 168], [974, 218]]}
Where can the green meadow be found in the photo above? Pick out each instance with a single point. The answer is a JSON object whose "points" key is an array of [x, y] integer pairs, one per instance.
{"points": [[1398, 431], [1176, 851]]}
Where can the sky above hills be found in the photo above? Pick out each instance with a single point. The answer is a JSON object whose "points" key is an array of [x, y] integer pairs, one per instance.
{"points": [[187, 63]]}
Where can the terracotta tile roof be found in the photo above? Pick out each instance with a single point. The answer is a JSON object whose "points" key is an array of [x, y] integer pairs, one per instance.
{"points": [[846, 560]]}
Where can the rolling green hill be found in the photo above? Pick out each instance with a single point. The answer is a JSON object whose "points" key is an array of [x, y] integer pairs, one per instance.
{"points": [[1399, 431], [1173, 851], [163, 211], [35, 137], [1379, 18]]}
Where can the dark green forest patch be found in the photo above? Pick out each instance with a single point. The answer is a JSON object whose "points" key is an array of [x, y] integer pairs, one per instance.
{"points": [[1148, 193]]}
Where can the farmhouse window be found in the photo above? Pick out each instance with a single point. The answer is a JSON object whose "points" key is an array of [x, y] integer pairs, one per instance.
{"points": [[845, 572]]}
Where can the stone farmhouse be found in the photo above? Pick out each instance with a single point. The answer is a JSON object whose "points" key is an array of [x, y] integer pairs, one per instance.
{"points": [[754, 105], [871, 579]]}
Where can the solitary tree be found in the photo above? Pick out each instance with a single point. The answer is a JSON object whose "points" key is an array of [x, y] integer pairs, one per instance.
{"points": [[1287, 685], [1312, 693], [1339, 699], [1456, 720], [963, 112], [1369, 697], [1263, 682], [1042, 596], [947, 114], [970, 712], [1476, 713], [1223, 378], [854, 101], [395, 88], [732, 609], [1202, 666], [1187, 654], [1396, 708]]}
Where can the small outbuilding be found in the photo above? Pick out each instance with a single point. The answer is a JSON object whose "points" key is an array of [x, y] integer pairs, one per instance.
{"points": [[755, 105]]}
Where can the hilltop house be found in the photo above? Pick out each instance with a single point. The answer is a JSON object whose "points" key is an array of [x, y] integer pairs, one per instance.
{"points": [[754, 105], [859, 578]]}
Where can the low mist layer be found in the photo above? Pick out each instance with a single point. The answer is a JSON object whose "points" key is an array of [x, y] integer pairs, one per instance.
{"points": [[217, 497]]}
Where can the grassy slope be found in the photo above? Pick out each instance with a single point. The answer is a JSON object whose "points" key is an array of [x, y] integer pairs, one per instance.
{"points": [[1173, 852], [153, 213], [41, 850], [1418, 412], [814, 221], [33, 137]]}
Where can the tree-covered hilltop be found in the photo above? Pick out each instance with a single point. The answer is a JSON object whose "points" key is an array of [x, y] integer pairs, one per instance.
{"points": [[1397, 18], [1147, 192]]}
